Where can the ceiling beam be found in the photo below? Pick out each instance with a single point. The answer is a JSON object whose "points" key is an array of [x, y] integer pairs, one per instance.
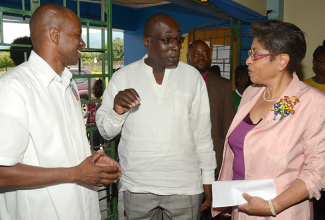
{"points": [[206, 8]]}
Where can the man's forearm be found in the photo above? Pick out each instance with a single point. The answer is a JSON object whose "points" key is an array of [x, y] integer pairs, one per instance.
{"points": [[21, 175]]}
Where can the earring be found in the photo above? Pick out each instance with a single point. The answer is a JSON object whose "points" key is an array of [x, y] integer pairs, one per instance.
{"points": [[279, 69]]}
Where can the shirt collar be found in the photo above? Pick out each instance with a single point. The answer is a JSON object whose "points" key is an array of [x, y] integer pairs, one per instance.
{"points": [[238, 93], [45, 71], [149, 69]]}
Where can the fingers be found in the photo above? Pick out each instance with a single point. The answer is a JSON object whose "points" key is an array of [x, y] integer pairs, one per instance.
{"points": [[95, 157], [135, 94], [205, 205], [227, 212], [110, 169], [243, 207], [130, 96], [101, 151], [125, 100], [246, 197]]}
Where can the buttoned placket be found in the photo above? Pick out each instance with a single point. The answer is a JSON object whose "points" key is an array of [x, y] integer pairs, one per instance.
{"points": [[69, 102]]}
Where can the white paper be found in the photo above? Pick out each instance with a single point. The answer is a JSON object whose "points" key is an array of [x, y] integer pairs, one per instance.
{"points": [[220, 52], [229, 193], [227, 67], [226, 75]]}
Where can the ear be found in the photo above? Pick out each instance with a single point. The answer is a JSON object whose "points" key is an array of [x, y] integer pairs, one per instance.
{"points": [[283, 62], [55, 35], [239, 80], [146, 42], [187, 57], [314, 62]]}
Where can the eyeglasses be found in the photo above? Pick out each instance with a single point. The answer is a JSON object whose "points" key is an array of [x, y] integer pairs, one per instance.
{"points": [[259, 56], [169, 41], [321, 61]]}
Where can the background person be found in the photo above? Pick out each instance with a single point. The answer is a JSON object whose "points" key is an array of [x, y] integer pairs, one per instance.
{"points": [[98, 93], [17, 54], [161, 105], [318, 81], [289, 150], [46, 167], [242, 82], [215, 69]]}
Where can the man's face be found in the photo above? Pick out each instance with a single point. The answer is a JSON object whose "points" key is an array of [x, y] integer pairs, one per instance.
{"points": [[199, 57], [162, 54], [71, 43], [319, 68]]}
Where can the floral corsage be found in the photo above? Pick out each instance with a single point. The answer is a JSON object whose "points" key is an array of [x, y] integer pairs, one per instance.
{"points": [[285, 107]]}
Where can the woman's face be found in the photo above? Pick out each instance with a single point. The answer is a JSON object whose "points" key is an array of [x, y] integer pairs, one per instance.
{"points": [[319, 68], [262, 70]]}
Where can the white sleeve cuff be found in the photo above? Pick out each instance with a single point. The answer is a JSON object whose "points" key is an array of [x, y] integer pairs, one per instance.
{"points": [[207, 176], [115, 118]]}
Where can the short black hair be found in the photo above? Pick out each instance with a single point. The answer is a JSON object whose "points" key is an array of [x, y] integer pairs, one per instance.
{"points": [[240, 71], [215, 69], [197, 41], [17, 54], [319, 50], [99, 82], [281, 37]]}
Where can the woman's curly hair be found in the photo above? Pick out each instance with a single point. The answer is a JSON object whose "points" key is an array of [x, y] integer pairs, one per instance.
{"points": [[281, 37]]}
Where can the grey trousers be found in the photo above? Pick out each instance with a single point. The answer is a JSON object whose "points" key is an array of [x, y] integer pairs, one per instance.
{"points": [[145, 206]]}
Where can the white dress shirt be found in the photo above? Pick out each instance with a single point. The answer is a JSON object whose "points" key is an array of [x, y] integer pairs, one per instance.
{"points": [[166, 146], [42, 125]]}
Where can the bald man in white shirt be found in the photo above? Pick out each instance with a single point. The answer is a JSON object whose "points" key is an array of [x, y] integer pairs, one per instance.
{"points": [[46, 167]]}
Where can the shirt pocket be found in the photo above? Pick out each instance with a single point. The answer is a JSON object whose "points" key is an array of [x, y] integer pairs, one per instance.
{"points": [[183, 104]]}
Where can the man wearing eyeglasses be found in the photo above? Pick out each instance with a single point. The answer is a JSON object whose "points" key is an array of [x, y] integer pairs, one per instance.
{"points": [[162, 107]]}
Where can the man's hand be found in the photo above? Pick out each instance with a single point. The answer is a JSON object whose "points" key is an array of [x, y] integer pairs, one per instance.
{"points": [[255, 206], [227, 212], [125, 100], [208, 197], [89, 173], [104, 161]]}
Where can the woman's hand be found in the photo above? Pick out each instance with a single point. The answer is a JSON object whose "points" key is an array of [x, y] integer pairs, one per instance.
{"points": [[255, 206]]}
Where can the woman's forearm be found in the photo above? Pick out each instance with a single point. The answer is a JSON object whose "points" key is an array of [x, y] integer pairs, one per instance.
{"points": [[295, 193]]}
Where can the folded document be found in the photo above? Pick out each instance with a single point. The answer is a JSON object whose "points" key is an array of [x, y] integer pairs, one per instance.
{"points": [[229, 193]]}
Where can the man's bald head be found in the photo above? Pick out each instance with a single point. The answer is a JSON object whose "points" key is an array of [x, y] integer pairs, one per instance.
{"points": [[45, 17], [150, 24]]}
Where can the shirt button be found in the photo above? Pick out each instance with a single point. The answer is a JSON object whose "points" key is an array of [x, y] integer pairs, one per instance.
{"points": [[73, 135], [69, 113], [247, 175], [79, 157]]}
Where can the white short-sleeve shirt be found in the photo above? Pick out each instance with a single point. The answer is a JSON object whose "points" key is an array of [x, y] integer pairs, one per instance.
{"points": [[41, 124]]}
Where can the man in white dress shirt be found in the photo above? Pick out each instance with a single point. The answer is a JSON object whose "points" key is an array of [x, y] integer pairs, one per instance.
{"points": [[46, 167], [162, 107]]}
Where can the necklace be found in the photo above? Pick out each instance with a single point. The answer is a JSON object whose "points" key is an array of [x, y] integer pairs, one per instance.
{"points": [[264, 119], [273, 100]]}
